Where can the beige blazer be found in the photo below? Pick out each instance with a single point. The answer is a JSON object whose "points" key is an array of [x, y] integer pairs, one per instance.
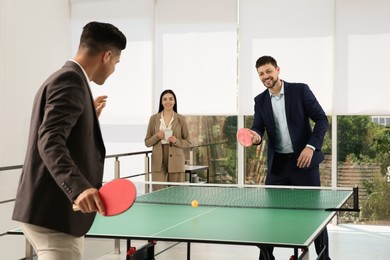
{"points": [[176, 154]]}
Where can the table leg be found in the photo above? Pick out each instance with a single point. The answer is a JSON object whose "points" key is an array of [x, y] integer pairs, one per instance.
{"points": [[128, 245], [264, 253], [296, 253], [188, 250]]}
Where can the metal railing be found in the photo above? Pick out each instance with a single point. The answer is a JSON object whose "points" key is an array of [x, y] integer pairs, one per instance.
{"points": [[116, 167], [192, 148], [29, 252]]}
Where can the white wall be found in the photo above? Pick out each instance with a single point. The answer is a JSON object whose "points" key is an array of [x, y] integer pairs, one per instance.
{"points": [[34, 41], [32, 45]]}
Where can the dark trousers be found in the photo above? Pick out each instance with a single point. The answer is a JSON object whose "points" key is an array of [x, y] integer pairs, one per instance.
{"points": [[285, 172]]}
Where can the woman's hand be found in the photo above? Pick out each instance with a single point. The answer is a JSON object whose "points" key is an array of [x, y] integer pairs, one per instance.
{"points": [[172, 139], [160, 134]]}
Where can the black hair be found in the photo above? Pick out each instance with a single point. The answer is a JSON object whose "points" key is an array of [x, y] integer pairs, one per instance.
{"points": [[97, 37]]}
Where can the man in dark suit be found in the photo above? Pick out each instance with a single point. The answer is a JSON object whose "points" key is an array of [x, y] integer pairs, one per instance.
{"points": [[65, 153], [284, 111]]}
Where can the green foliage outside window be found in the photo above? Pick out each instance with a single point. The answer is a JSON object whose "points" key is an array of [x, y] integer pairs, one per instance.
{"points": [[363, 141], [376, 208], [359, 142]]}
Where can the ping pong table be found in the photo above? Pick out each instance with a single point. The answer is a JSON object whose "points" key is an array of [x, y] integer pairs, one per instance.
{"points": [[289, 217]]}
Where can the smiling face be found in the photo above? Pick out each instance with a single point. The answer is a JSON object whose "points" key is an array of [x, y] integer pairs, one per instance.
{"points": [[269, 75], [168, 101]]}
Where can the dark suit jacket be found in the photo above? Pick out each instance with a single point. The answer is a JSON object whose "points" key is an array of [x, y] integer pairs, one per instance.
{"points": [[301, 106], [65, 154]]}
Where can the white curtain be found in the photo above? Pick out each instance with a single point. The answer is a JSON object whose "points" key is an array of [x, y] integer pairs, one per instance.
{"points": [[339, 48], [196, 55], [129, 89], [298, 34], [205, 50], [362, 68]]}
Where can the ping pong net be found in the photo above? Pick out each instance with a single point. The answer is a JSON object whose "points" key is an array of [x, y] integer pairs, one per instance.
{"points": [[254, 197]]}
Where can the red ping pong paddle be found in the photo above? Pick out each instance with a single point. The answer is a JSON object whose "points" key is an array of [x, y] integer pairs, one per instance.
{"points": [[244, 137], [117, 196]]}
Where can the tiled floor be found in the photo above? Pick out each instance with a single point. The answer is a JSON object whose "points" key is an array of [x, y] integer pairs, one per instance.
{"points": [[355, 242]]}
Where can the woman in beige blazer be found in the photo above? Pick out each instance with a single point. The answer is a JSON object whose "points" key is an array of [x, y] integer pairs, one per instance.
{"points": [[168, 134]]}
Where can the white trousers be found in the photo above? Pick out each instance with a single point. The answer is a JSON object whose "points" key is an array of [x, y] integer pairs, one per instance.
{"points": [[53, 245]]}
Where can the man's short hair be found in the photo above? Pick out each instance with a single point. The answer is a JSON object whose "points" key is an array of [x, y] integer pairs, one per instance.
{"points": [[266, 60], [97, 37]]}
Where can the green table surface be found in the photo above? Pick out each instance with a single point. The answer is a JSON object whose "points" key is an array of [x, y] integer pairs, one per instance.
{"points": [[247, 216]]}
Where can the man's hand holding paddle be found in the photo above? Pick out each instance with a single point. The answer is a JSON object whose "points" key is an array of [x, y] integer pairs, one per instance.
{"points": [[89, 201], [246, 137], [112, 199]]}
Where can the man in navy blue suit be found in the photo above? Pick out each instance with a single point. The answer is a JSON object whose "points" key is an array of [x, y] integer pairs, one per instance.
{"points": [[284, 111]]}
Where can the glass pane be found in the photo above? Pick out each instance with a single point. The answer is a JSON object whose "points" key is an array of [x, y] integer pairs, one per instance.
{"points": [[256, 159], [214, 144], [364, 160]]}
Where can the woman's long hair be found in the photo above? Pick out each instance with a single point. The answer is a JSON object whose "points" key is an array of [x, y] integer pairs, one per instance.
{"points": [[161, 107]]}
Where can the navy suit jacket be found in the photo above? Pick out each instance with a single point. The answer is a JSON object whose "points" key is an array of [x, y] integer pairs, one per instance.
{"points": [[65, 154], [301, 106]]}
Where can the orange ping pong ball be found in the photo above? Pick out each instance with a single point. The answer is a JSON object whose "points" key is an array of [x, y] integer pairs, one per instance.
{"points": [[194, 203]]}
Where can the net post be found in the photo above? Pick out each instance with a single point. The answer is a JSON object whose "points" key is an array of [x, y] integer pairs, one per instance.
{"points": [[117, 247], [356, 198]]}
